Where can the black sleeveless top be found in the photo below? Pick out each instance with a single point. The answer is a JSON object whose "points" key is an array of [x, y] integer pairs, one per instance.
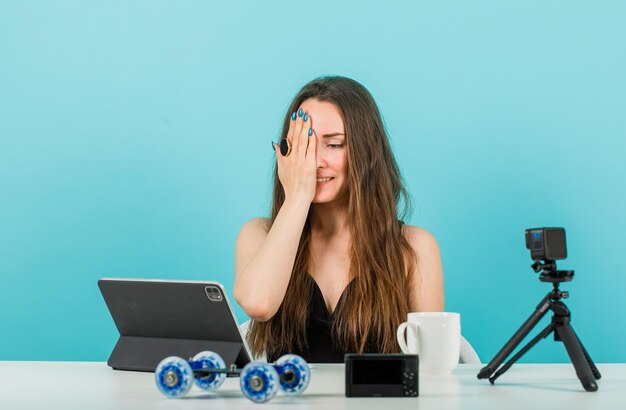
{"points": [[321, 346]]}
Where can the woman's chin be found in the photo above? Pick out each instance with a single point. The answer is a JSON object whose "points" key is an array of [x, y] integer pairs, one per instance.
{"points": [[317, 200], [323, 199], [326, 196]]}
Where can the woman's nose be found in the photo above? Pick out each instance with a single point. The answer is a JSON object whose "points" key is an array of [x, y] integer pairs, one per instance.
{"points": [[319, 156]]}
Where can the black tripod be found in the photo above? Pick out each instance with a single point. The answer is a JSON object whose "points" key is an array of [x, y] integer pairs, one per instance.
{"points": [[560, 325]]}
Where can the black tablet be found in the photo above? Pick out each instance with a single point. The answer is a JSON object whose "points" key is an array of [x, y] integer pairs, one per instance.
{"points": [[160, 318]]}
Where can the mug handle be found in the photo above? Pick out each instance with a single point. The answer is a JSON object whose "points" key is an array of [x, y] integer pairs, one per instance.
{"points": [[400, 337]]}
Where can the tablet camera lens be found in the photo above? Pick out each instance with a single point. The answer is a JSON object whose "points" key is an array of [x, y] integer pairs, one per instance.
{"points": [[213, 293]]}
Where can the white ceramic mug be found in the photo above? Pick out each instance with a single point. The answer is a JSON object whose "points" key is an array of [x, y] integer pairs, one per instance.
{"points": [[435, 337]]}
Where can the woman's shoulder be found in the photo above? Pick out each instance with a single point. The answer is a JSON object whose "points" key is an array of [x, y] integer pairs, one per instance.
{"points": [[419, 238], [252, 234], [255, 225], [427, 293]]}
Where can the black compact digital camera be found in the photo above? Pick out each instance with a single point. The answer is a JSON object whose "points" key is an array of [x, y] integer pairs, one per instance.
{"points": [[381, 375]]}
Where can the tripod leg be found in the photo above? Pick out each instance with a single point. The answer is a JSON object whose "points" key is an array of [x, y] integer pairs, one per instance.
{"points": [[594, 369], [577, 355], [542, 335], [515, 340], [592, 365]]}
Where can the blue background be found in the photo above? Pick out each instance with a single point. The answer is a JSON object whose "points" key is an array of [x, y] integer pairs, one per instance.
{"points": [[134, 142]]}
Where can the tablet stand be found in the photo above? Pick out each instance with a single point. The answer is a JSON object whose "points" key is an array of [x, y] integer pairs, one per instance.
{"points": [[145, 353]]}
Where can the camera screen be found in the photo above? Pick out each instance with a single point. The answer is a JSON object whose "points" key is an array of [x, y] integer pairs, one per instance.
{"points": [[388, 371]]}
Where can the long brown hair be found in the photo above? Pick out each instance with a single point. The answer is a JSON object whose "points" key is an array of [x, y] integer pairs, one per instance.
{"points": [[381, 259]]}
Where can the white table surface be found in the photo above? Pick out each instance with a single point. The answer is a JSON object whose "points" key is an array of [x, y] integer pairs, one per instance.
{"points": [[93, 385]]}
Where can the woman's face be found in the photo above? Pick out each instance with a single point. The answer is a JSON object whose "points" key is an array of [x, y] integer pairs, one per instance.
{"points": [[331, 154]]}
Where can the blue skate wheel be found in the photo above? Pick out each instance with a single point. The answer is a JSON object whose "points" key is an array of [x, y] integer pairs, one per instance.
{"points": [[210, 360], [173, 377], [259, 381], [295, 374]]}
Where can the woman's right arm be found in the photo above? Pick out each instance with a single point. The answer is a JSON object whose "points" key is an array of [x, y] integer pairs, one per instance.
{"points": [[264, 258]]}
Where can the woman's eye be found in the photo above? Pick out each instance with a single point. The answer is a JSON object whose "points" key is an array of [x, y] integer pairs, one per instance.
{"points": [[335, 146]]}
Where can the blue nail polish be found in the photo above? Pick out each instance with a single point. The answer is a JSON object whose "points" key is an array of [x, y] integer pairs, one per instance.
{"points": [[300, 112], [306, 117], [310, 132], [293, 116], [273, 147]]}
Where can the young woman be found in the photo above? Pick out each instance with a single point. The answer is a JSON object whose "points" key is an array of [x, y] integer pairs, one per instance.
{"points": [[334, 270]]}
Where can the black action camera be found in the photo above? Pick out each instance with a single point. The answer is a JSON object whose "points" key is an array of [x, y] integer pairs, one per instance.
{"points": [[547, 244], [381, 375]]}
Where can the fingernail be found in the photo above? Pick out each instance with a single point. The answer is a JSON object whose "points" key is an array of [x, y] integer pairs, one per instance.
{"points": [[300, 112], [306, 117], [310, 132], [293, 116], [273, 147]]}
